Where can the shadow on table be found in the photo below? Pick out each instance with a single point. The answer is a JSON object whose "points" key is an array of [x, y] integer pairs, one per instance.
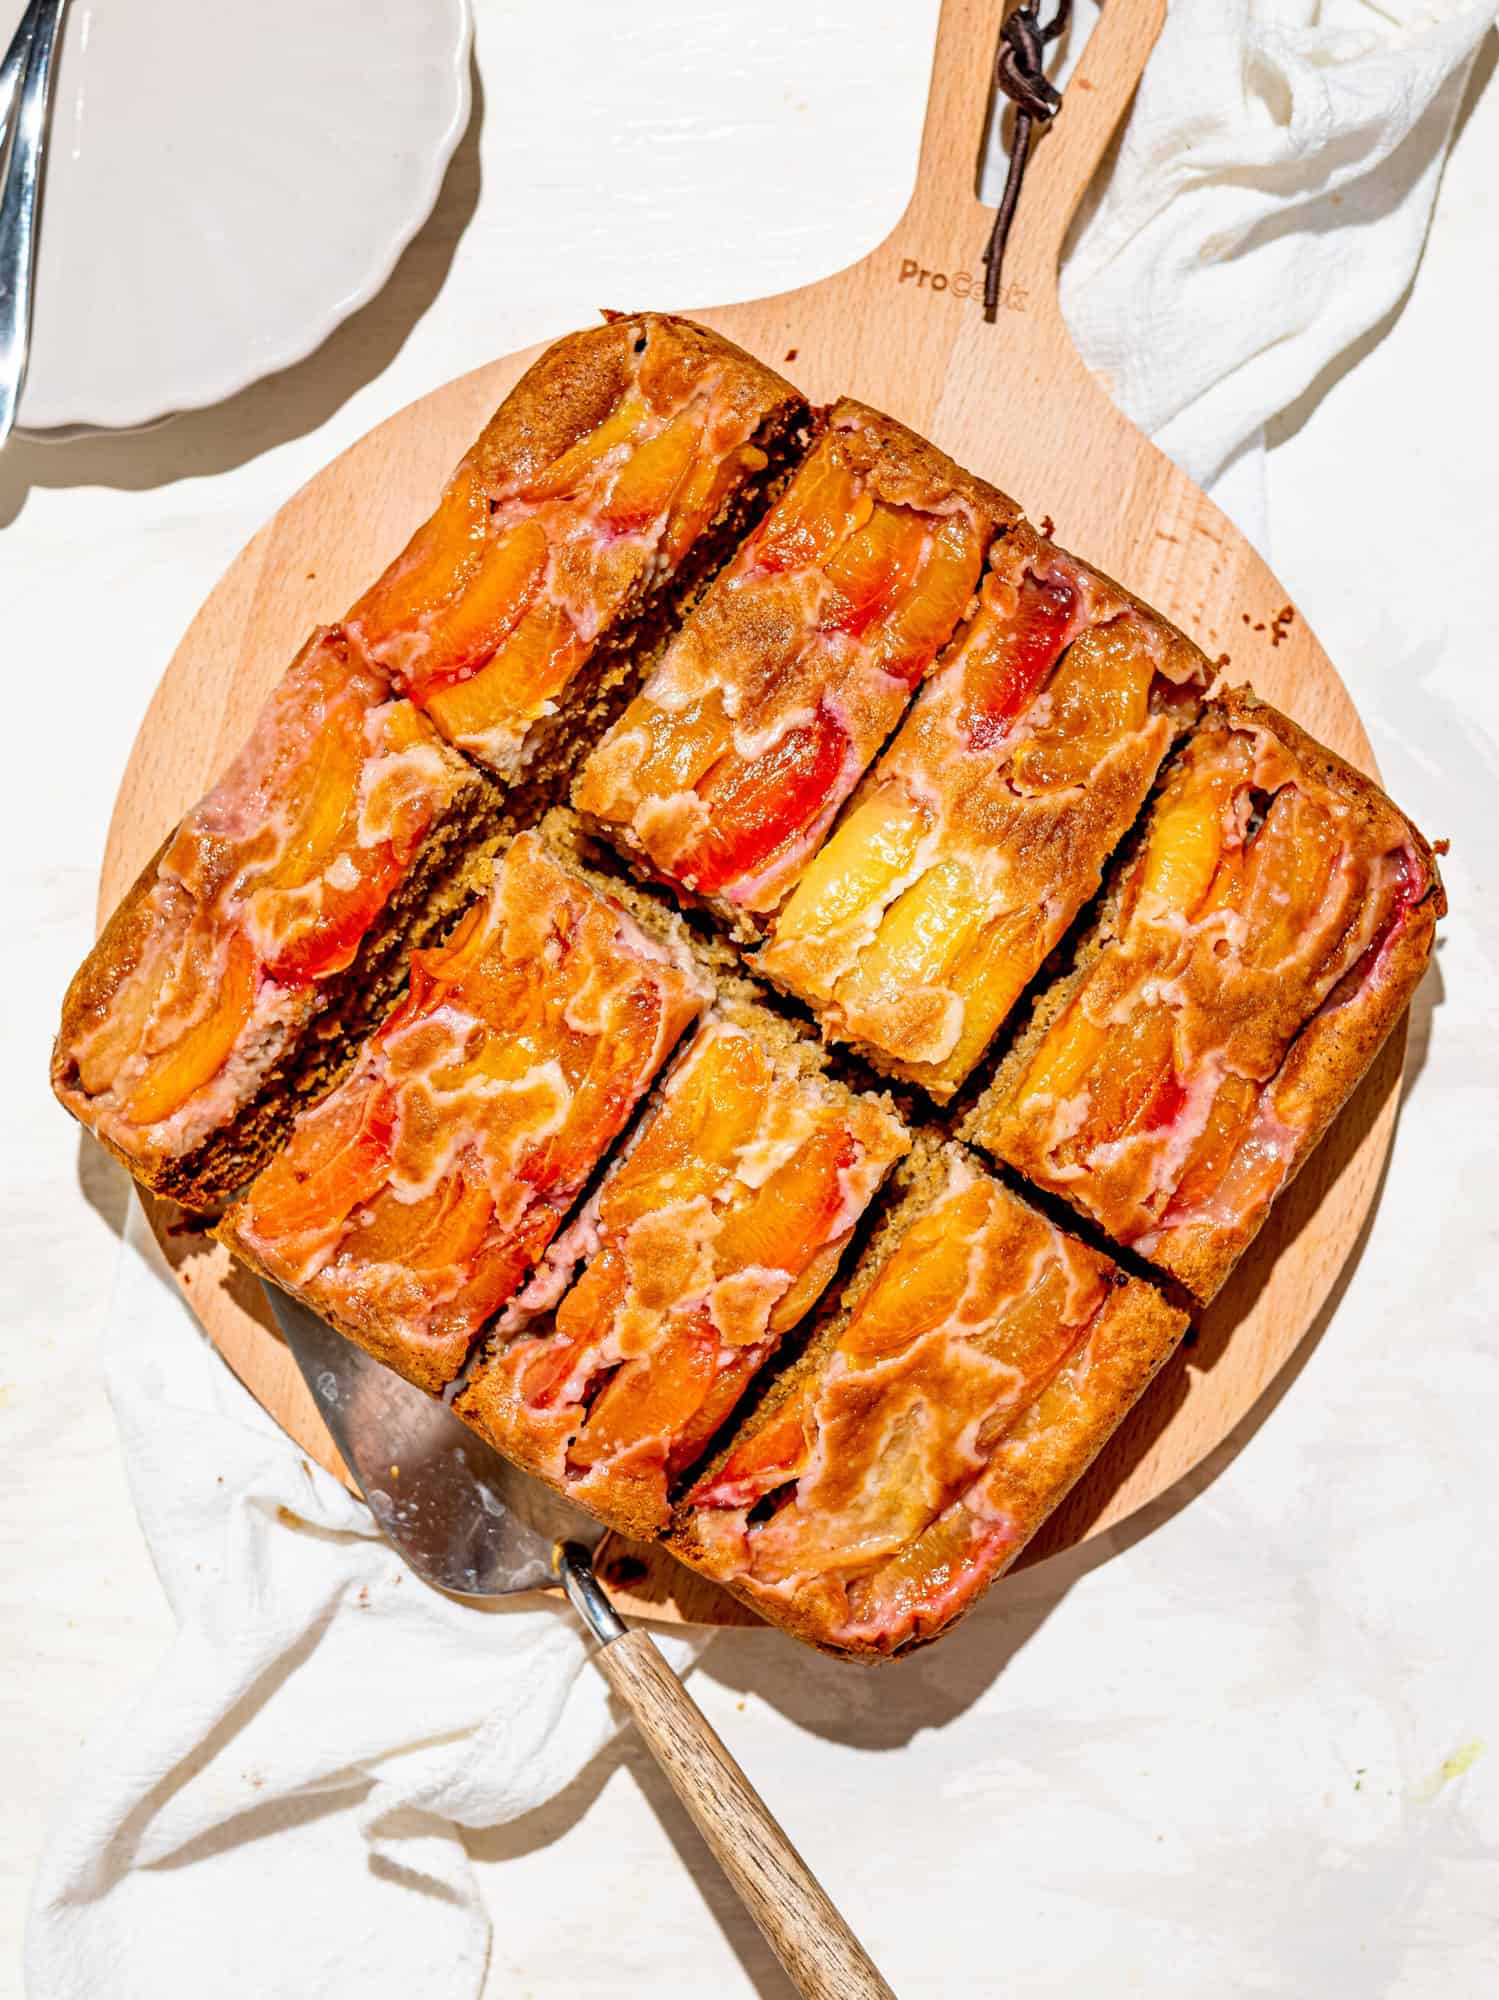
{"points": [[279, 407], [557, 1816]]}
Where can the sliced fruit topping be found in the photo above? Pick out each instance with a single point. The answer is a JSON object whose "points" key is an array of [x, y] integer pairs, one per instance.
{"points": [[682, 744], [922, 1284], [1182, 853], [923, 932], [1135, 1089], [1006, 660], [1099, 693], [329, 943], [533, 665], [990, 973], [1288, 872], [629, 420], [115, 1035], [1069, 1051], [781, 1224], [326, 803], [869, 852], [446, 964], [924, 1586], [757, 807], [445, 1228], [622, 1063], [491, 605], [925, 617], [823, 505], [1028, 1332], [433, 568], [338, 1157], [202, 1050], [693, 1139], [874, 568], [319, 933], [651, 1399], [646, 482], [776, 1453], [709, 480], [1228, 1121]]}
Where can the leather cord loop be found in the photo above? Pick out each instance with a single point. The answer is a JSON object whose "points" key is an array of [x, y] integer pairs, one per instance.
{"points": [[1020, 72]]}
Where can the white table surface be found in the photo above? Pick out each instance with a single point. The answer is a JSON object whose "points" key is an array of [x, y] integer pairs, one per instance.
{"points": [[1206, 1756]]}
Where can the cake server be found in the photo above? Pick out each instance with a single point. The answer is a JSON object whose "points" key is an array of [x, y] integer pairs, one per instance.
{"points": [[475, 1526]]}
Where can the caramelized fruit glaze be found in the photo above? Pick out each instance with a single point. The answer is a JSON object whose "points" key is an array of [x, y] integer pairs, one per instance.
{"points": [[869, 1502], [726, 771], [412, 1202], [706, 1244], [264, 892], [978, 837], [1265, 896], [499, 599]]}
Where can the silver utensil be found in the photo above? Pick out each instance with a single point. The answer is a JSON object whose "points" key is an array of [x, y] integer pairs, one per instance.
{"points": [[471, 1524], [25, 94]]}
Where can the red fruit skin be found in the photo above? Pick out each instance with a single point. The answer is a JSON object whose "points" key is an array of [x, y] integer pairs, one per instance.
{"points": [[760, 806], [1033, 643]]}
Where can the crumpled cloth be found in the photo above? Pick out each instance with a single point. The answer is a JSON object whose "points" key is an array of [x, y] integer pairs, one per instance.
{"points": [[280, 1804], [1266, 206], [277, 1811]]}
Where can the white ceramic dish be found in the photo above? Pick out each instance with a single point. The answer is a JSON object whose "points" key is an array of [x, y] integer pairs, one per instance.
{"points": [[225, 184]]}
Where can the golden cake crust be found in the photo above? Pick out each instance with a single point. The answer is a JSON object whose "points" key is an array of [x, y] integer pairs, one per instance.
{"points": [[708, 1241], [413, 1202], [967, 851], [942, 1413], [614, 477], [793, 669], [1289, 1039], [265, 911]]}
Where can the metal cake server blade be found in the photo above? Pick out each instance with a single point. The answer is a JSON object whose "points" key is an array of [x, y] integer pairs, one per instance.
{"points": [[465, 1519], [470, 1523]]}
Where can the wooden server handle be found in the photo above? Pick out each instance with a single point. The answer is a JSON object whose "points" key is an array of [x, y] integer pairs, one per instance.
{"points": [[817, 1948]]}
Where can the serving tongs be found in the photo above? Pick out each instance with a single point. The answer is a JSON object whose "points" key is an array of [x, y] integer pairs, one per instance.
{"points": [[469, 1523]]}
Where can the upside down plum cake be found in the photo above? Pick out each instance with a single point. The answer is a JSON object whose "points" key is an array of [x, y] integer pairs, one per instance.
{"points": [[641, 1130]]}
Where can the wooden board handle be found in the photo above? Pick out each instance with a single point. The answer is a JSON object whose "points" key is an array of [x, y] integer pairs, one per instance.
{"points": [[819, 1951], [945, 209]]}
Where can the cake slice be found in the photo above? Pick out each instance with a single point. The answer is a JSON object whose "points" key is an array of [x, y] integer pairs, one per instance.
{"points": [[623, 466], [969, 849], [268, 933], [1251, 956], [975, 1365], [413, 1202], [724, 774], [703, 1247]]}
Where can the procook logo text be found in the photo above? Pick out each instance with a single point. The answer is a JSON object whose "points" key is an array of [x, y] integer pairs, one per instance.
{"points": [[962, 285]]}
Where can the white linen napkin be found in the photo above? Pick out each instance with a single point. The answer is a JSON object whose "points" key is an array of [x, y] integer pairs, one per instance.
{"points": [[281, 1803], [1267, 204]]}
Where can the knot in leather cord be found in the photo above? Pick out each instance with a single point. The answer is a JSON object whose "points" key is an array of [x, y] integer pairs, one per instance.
{"points": [[1020, 72]]}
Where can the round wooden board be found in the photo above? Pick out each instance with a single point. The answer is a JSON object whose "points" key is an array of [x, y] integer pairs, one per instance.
{"points": [[1014, 402]]}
